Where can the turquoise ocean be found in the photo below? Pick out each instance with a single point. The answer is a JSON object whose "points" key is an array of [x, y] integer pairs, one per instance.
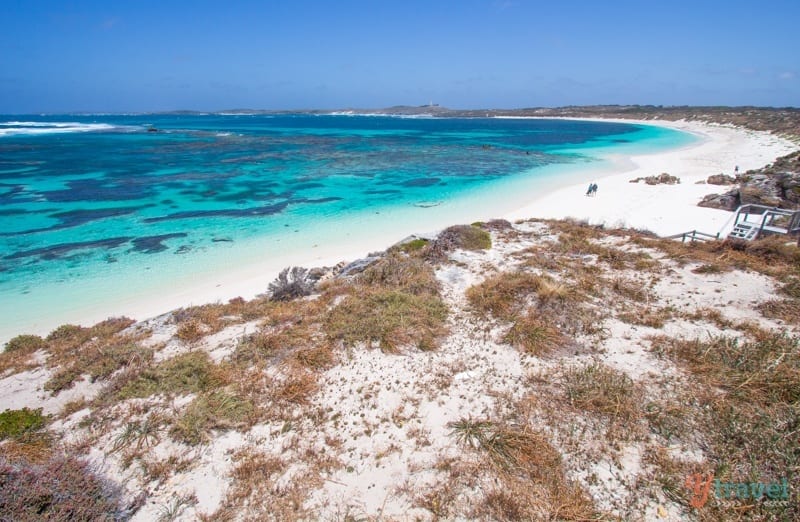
{"points": [[99, 211]]}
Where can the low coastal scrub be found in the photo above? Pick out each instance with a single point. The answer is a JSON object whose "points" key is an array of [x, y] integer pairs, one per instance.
{"points": [[99, 362], [62, 489], [529, 481], [193, 372], [766, 370], [18, 353], [403, 273], [466, 237], [541, 309], [25, 344], [291, 283], [747, 407], [389, 318], [215, 410]]}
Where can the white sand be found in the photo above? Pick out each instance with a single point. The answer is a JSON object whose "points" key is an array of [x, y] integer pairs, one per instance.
{"points": [[662, 209]]}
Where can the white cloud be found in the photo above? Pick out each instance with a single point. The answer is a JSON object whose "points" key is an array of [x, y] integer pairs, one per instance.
{"points": [[786, 75]]}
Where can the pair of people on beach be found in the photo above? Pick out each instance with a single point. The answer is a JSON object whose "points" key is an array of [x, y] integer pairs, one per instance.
{"points": [[592, 189]]}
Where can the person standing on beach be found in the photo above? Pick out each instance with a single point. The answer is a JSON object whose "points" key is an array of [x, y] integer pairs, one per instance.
{"points": [[589, 190], [594, 189]]}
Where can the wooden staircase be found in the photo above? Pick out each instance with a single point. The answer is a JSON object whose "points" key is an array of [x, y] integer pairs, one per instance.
{"points": [[750, 222], [744, 231]]}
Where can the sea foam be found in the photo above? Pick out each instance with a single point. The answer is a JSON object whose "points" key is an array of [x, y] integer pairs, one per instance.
{"points": [[10, 128]]}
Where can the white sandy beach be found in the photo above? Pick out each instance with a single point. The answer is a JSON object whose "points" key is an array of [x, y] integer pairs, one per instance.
{"points": [[663, 209]]}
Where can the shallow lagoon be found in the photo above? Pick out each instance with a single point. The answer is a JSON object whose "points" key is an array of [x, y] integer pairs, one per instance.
{"points": [[98, 209]]}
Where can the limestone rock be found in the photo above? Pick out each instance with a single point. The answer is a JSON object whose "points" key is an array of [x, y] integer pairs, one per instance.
{"points": [[721, 179], [728, 201], [661, 179]]}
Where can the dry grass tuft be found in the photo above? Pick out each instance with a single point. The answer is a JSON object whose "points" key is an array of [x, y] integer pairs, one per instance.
{"points": [[531, 483], [390, 318], [535, 336], [317, 357], [99, 361], [397, 271], [647, 316], [503, 295], [216, 410], [599, 389], [631, 289], [787, 310], [763, 371], [297, 388], [193, 372], [196, 322]]}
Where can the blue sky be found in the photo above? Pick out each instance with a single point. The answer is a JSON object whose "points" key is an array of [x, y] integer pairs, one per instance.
{"points": [[211, 55]]}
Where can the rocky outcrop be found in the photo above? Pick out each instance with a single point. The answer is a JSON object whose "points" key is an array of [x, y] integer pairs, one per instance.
{"points": [[721, 179], [661, 179], [776, 185], [728, 201]]}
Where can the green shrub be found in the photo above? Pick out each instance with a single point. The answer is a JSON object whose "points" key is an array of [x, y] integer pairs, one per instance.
{"points": [[415, 245], [14, 424], [25, 344]]}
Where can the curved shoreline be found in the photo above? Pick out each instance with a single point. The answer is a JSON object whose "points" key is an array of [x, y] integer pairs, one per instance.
{"points": [[661, 209]]}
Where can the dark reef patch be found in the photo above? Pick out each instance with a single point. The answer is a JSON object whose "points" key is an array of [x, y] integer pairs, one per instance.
{"points": [[233, 212], [303, 186], [421, 182], [383, 191], [74, 218], [94, 190], [319, 200], [154, 244], [60, 250]]}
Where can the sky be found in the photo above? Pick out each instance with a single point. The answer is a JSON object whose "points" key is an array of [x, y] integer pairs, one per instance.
{"points": [[135, 56]]}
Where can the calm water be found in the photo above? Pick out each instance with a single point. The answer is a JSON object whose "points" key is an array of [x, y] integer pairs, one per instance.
{"points": [[97, 206]]}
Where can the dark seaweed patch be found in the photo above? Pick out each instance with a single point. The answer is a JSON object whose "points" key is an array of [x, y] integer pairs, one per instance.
{"points": [[385, 191], [154, 244], [74, 218], [302, 186], [56, 251], [421, 182], [92, 190], [232, 212], [319, 200]]}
